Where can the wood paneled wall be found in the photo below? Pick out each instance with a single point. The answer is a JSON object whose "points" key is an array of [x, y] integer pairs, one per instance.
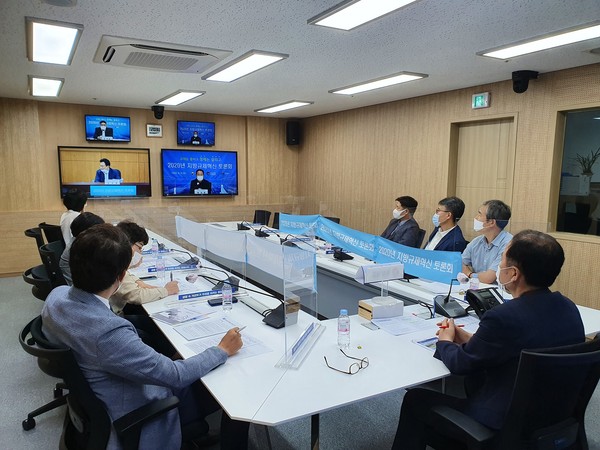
{"points": [[362, 159], [351, 164]]}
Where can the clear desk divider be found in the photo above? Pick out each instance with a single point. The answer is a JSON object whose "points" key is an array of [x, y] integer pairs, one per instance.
{"points": [[294, 356]]}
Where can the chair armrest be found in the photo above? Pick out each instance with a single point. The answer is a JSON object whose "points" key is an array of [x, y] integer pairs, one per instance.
{"points": [[133, 420], [459, 426]]}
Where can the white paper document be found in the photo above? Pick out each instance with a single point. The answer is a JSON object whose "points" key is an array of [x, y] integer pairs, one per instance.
{"points": [[251, 347], [205, 328], [404, 324]]}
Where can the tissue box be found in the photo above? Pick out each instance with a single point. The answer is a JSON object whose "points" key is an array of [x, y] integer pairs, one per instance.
{"points": [[370, 310]]}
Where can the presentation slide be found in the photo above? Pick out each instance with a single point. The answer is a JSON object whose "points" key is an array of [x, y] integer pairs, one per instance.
{"points": [[107, 128], [180, 174]]}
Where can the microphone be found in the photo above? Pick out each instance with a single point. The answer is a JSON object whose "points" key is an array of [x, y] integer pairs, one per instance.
{"points": [[261, 233], [192, 261], [242, 226], [340, 255], [447, 306]]}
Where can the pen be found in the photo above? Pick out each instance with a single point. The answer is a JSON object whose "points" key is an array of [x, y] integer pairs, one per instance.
{"points": [[171, 275], [443, 327], [240, 329]]}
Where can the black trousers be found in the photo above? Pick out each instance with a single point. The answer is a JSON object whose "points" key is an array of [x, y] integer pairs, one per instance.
{"points": [[414, 416]]}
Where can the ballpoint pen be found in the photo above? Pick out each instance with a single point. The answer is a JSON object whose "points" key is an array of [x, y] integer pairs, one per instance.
{"points": [[171, 273], [241, 328], [443, 327]]}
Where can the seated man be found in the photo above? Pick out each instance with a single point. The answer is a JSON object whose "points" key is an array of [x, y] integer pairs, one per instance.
{"points": [[403, 229], [83, 221], [133, 290], [123, 372], [200, 185], [105, 172], [483, 253], [535, 318], [447, 235]]}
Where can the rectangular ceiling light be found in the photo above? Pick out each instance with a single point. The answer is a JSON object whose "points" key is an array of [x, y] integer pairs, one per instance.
{"points": [[564, 37], [389, 80], [283, 106], [50, 41], [179, 97], [244, 65], [45, 87], [352, 13]]}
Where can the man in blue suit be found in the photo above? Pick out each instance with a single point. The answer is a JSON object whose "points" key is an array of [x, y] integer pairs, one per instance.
{"points": [[105, 172], [447, 235], [123, 372], [535, 318]]}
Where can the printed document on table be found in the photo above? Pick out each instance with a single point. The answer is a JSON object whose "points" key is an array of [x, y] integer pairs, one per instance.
{"points": [[206, 328], [404, 324], [251, 347]]}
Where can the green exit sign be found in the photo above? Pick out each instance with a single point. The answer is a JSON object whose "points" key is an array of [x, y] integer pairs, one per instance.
{"points": [[481, 100]]}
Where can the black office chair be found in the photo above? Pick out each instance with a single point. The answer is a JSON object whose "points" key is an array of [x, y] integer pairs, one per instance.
{"points": [[261, 216], [333, 219], [420, 238], [35, 233], [275, 220], [87, 424], [52, 232], [547, 411], [50, 254], [37, 276]]}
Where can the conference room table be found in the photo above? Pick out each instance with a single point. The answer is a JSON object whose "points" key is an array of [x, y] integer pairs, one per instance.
{"points": [[253, 386], [255, 389]]}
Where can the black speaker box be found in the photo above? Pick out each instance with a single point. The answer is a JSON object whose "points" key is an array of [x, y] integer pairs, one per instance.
{"points": [[292, 132]]}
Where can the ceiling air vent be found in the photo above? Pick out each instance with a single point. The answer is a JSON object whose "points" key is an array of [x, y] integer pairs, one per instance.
{"points": [[127, 52]]}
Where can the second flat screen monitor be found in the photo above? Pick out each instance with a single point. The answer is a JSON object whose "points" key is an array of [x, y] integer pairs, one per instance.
{"points": [[198, 173], [200, 134]]}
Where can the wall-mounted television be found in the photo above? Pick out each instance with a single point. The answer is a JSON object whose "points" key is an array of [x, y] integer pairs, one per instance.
{"points": [[201, 134], [198, 173], [107, 129], [105, 172]]}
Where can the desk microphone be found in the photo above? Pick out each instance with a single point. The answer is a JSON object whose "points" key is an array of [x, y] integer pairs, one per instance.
{"points": [[192, 261], [242, 226], [261, 233], [447, 306]]}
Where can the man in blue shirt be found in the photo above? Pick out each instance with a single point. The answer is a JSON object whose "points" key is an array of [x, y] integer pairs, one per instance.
{"points": [[483, 254]]}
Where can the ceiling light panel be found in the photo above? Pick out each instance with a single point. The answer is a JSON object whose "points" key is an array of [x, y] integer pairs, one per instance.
{"points": [[45, 87], [51, 42], [179, 97], [390, 80], [283, 106], [246, 64], [352, 13], [558, 39]]}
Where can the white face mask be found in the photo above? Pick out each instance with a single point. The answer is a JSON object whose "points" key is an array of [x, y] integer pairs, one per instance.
{"points": [[398, 214], [103, 127], [501, 285], [477, 225], [200, 178], [136, 260]]}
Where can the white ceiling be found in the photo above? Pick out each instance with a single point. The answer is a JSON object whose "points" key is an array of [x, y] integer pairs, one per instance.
{"points": [[436, 37]]}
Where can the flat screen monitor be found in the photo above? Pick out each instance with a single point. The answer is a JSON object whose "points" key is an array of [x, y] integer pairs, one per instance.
{"points": [[200, 134], [198, 173], [107, 129], [105, 172]]}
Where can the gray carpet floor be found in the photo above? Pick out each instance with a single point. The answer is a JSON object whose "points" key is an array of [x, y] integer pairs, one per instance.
{"points": [[366, 425]]}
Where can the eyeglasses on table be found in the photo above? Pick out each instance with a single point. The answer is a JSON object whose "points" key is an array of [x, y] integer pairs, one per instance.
{"points": [[362, 363]]}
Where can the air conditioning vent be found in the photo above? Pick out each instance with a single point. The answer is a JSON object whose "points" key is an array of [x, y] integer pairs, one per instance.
{"points": [[126, 52]]}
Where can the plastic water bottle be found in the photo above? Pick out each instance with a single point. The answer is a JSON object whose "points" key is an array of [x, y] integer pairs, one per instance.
{"points": [[154, 248], [474, 281], [343, 329], [227, 297], [160, 267]]}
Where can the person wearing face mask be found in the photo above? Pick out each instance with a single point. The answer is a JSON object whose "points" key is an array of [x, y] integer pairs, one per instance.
{"points": [[403, 228], [103, 133], [105, 172], [482, 255], [195, 140], [200, 185], [120, 368], [133, 290], [447, 235], [489, 358]]}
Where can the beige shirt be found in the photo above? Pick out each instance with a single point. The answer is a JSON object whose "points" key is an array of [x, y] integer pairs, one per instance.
{"points": [[130, 292]]}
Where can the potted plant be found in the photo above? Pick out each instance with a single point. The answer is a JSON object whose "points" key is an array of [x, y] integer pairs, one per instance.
{"points": [[587, 162]]}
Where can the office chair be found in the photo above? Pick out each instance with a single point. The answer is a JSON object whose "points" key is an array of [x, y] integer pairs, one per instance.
{"points": [[420, 238], [35, 233], [37, 276], [52, 232], [261, 216], [275, 220], [547, 411], [333, 219], [50, 254], [87, 424]]}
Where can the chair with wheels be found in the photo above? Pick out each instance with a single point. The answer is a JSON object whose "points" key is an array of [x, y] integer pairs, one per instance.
{"points": [[261, 216], [547, 411], [50, 254], [35, 233], [37, 276], [87, 424], [52, 232], [333, 219]]}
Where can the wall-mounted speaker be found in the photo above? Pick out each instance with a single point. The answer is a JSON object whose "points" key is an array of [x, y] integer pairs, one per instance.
{"points": [[292, 132]]}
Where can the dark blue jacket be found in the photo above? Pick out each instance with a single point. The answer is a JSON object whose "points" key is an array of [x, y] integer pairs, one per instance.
{"points": [[454, 241], [113, 174]]}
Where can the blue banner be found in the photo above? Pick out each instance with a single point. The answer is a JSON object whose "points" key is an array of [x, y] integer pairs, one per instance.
{"points": [[428, 264]]}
